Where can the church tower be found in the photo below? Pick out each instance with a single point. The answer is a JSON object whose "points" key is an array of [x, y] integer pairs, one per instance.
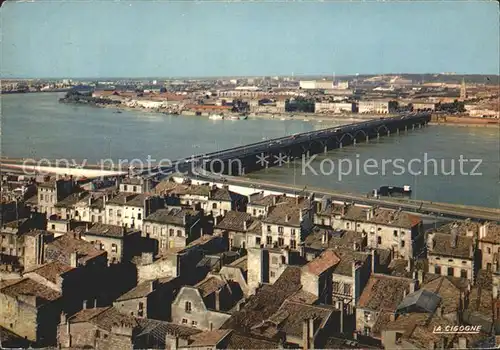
{"points": [[463, 91]]}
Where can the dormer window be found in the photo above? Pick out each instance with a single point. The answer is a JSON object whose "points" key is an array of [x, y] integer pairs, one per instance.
{"points": [[188, 306]]}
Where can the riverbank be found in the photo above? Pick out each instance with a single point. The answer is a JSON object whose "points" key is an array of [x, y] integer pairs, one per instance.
{"points": [[467, 125]]}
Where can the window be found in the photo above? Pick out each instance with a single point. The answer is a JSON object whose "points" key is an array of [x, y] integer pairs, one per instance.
{"points": [[184, 321], [323, 222], [41, 197], [194, 323], [257, 240], [135, 189], [188, 306], [402, 244], [489, 250], [293, 244], [347, 225], [367, 331], [179, 233], [141, 305], [171, 232], [280, 229], [464, 262], [269, 240], [273, 274], [53, 226], [214, 205], [114, 248], [281, 242], [463, 273], [274, 260], [395, 233], [254, 212], [379, 240], [292, 231], [437, 269], [450, 271], [110, 212], [268, 228], [139, 216], [97, 334], [119, 213]]}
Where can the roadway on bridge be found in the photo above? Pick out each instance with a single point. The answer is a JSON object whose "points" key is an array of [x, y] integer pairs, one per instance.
{"points": [[422, 207]]}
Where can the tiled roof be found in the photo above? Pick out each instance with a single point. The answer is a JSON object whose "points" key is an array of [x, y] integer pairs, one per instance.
{"points": [[141, 290], [296, 313], [160, 329], [384, 292], [100, 229], [266, 301], [64, 245], [29, 287], [336, 238], [174, 216], [223, 194], [207, 339], [348, 257], [52, 270], [128, 199], [238, 341], [442, 246], [235, 221], [210, 285], [449, 293], [111, 317], [492, 233], [326, 260], [240, 263], [287, 212]]}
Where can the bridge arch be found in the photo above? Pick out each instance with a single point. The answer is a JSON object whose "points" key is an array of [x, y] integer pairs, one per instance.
{"points": [[360, 131], [348, 133], [383, 127]]}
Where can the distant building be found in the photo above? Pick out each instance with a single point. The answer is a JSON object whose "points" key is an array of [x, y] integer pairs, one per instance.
{"points": [[378, 107], [334, 107]]}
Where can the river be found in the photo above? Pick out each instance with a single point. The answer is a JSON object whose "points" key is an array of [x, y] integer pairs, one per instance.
{"points": [[37, 126]]}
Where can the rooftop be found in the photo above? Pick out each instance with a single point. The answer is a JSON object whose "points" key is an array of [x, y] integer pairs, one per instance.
{"points": [[115, 231], [382, 216], [236, 221], [266, 301], [384, 293], [208, 339], [326, 260], [287, 212], [141, 290], [29, 287], [442, 245], [173, 216], [63, 246], [492, 233], [51, 270], [210, 285]]}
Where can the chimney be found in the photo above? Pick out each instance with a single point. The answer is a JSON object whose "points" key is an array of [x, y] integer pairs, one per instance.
{"points": [[301, 215], [344, 208], [439, 311], [311, 332], [217, 300], [342, 316], [324, 237], [84, 307], [374, 261], [244, 225], [64, 319], [305, 335], [73, 259], [274, 199], [287, 218], [420, 274], [153, 285], [413, 285], [95, 303], [302, 250], [393, 317], [454, 236], [483, 230]]}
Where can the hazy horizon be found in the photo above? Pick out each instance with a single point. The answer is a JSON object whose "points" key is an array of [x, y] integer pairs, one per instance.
{"points": [[46, 39]]}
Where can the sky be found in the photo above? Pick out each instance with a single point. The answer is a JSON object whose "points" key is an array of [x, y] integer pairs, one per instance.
{"points": [[115, 38]]}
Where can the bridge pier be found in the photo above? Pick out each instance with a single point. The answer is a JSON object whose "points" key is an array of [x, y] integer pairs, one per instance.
{"points": [[367, 139], [354, 142], [340, 144], [378, 135], [397, 131], [406, 129], [413, 126], [325, 149]]}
